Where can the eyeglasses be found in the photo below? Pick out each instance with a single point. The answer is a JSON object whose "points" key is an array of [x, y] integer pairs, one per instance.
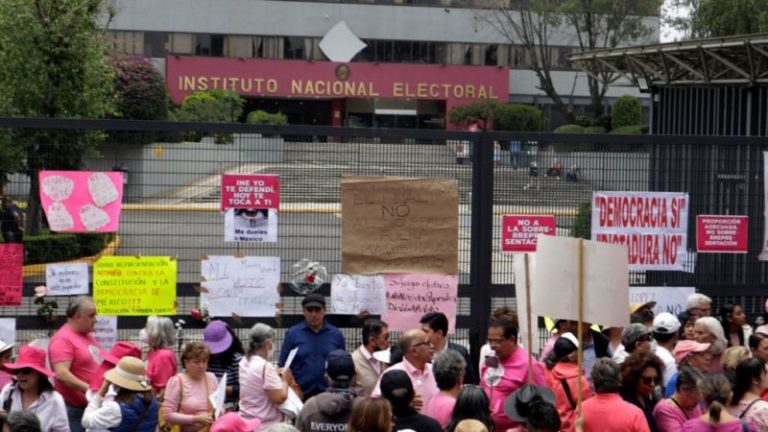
{"points": [[420, 344], [650, 380]]}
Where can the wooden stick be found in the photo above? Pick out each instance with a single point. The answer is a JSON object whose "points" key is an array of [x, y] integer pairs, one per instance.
{"points": [[580, 326], [529, 319]]}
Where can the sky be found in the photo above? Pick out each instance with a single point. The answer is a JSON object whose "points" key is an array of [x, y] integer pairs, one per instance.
{"points": [[668, 34]]}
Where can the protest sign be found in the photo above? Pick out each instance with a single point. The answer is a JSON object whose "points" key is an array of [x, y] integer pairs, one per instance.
{"points": [[246, 286], [82, 201], [519, 232], [253, 225], [606, 281], [105, 331], [66, 279], [668, 299], [653, 226], [521, 298], [721, 234], [409, 296], [11, 273], [395, 225], [130, 285], [250, 191], [353, 294], [8, 330]]}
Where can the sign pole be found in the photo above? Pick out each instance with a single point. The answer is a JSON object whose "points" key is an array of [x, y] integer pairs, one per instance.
{"points": [[529, 318], [580, 326]]}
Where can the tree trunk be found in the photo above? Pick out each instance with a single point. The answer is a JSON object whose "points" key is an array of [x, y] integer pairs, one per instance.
{"points": [[34, 207]]}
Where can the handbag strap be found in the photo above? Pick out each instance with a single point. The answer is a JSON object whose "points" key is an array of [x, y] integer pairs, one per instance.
{"points": [[568, 394], [744, 426], [743, 413], [208, 394], [7, 403]]}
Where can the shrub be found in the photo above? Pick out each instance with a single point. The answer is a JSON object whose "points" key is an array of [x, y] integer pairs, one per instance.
{"points": [[141, 95], [516, 117], [263, 117], [48, 248], [214, 106], [626, 112], [638, 129], [582, 224]]}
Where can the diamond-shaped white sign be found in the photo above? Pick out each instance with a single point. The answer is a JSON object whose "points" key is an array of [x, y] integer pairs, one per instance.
{"points": [[340, 44]]}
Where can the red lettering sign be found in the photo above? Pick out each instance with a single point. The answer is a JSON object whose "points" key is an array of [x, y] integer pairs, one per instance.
{"points": [[250, 191], [721, 234], [518, 233], [11, 278]]}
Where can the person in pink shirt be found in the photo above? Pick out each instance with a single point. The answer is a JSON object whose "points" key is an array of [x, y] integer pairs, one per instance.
{"points": [[186, 400], [683, 405], [72, 354], [607, 411], [161, 360], [716, 392], [448, 368], [6, 352], [506, 372], [110, 359], [562, 375]]}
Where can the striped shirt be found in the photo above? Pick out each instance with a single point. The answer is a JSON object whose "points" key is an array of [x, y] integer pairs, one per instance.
{"points": [[218, 366]]}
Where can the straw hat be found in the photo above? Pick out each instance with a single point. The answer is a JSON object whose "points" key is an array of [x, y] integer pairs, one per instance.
{"points": [[129, 374]]}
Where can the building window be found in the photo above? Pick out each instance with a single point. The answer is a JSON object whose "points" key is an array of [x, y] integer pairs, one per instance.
{"points": [[402, 52], [491, 55], [209, 45], [156, 44], [293, 48]]}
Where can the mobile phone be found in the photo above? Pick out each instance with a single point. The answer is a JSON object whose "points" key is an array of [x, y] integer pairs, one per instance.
{"points": [[491, 361]]}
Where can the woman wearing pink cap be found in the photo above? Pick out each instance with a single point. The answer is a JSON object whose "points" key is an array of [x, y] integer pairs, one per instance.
{"points": [[232, 422], [33, 392]]}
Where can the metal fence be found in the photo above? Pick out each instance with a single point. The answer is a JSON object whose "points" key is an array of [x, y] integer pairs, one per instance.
{"points": [[173, 170]]}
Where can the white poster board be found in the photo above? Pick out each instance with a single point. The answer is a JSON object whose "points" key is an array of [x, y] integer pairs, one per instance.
{"points": [[605, 275], [668, 299], [66, 279], [353, 294], [246, 286], [105, 331], [521, 297], [251, 225], [8, 330]]}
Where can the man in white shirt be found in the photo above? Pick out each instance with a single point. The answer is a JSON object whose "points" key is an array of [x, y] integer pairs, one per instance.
{"points": [[367, 368], [665, 328]]}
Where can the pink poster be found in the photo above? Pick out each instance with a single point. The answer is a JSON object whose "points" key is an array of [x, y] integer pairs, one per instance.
{"points": [[250, 191], [409, 296], [82, 201], [11, 280]]}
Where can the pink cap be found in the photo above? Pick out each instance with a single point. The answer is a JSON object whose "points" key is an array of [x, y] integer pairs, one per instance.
{"points": [[232, 422], [683, 348]]}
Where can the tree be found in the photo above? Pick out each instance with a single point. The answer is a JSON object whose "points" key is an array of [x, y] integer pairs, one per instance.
{"points": [[538, 25], [499, 116], [479, 113], [718, 18], [52, 64], [216, 106], [141, 90], [626, 112], [264, 117]]}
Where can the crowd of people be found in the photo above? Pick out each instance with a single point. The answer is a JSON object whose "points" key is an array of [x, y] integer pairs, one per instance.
{"points": [[662, 373]]}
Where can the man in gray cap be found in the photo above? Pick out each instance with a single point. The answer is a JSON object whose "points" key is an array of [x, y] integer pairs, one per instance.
{"points": [[315, 338], [330, 410], [634, 337]]}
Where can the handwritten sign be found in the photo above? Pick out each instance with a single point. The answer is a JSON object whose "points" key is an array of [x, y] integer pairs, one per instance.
{"points": [[11, 279], [219, 396], [127, 285], [246, 286], [66, 279], [668, 299], [251, 225], [82, 201], [519, 232], [250, 191], [399, 225], [105, 331], [722, 234], [8, 330], [409, 296], [352, 294]]}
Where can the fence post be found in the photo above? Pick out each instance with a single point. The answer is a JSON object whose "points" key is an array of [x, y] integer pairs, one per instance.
{"points": [[482, 241]]}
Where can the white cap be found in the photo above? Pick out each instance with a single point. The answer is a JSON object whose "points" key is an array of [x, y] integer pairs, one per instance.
{"points": [[666, 323], [570, 337]]}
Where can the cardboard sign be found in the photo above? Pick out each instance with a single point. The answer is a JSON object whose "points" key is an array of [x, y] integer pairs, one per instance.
{"points": [[246, 286], [11, 270], [250, 191], [409, 296], [66, 279], [82, 201], [653, 226], [135, 286], [668, 299], [353, 294], [397, 225], [250, 225], [722, 234], [105, 331], [606, 281], [518, 233]]}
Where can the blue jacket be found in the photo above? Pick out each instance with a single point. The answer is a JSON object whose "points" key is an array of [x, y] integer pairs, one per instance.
{"points": [[308, 366], [132, 413]]}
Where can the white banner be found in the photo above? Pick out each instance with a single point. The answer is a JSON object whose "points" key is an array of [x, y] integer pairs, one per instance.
{"points": [[764, 252], [653, 226], [668, 299], [246, 286]]}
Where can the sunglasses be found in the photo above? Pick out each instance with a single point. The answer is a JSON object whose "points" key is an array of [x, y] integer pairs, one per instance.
{"points": [[650, 380], [25, 371]]}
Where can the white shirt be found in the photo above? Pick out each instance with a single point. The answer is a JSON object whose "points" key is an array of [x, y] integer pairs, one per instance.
{"points": [[670, 368], [101, 413], [49, 408]]}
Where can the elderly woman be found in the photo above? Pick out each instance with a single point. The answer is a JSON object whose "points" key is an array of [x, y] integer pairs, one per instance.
{"points": [[448, 368], [31, 391], [562, 374], [709, 330], [471, 403], [262, 386], [186, 395], [641, 373], [751, 379], [716, 394], [161, 360], [671, 413], [731, 358], [734, 321]]}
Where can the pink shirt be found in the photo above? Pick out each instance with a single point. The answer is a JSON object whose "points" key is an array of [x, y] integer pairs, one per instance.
{"points": [[161, 366], [699, 425], [515, 375], [670, 418], [5, 378], [441, 407], [69, 345], [194, 400], [424, 383], [608, 412], [257, 375]]}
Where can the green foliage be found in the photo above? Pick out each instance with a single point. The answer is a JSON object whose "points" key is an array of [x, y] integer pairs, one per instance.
{"points": [[582, 224], [502, 116], [48, 248], [570, 128], [478, 112], [594, 130], [263, 117], [718, 18], [638, 129], [142, 95], [571, 146], [215, 106], [626, 112]]}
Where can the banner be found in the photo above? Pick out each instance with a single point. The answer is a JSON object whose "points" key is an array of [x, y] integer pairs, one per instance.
{"points": [[246, 286], [11, 273], [135, 286], [66, 279], [82, 201], [519, 232], [653, 226], [722, 234], [353, 294], [668, 299], [409, 296], [398, 225], [250, 191]]}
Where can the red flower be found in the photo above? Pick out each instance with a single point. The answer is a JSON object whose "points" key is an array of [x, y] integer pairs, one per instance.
{"points": [[310, 278], [196, 314]]}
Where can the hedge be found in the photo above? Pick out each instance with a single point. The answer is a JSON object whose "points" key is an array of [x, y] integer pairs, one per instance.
{"points": [[48, 248]]}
